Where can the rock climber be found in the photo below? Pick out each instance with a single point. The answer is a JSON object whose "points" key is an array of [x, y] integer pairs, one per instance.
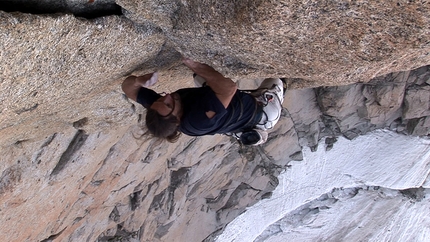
{"points": [[216, 106]]}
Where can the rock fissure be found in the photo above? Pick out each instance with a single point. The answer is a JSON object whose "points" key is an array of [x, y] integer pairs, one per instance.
{"points": [[43, 148], [135, 200], [23, 110], [54, 236], [124, 187], [415, 194], [75, 144], [81, 8]]}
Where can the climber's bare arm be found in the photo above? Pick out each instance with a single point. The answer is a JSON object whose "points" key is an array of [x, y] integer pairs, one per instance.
{"points": [[224, 88], [132, 84]]}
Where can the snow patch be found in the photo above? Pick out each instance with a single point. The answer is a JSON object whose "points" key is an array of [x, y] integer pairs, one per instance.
{"points": [[380, 159]]}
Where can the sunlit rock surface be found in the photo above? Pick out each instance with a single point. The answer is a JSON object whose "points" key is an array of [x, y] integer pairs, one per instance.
{"points": [[311, 42], [76, 164], [57, 70]]}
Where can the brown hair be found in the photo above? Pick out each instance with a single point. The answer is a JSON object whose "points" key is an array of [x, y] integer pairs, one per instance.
{"points": [[166, 127]]}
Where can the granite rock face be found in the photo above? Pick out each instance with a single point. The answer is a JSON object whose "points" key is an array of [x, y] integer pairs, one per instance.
{"points": [[53, 66], [356, 109], [384, 102], [311, 42], [76, 164]]}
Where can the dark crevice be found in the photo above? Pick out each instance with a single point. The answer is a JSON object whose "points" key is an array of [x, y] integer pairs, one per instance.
{"points": [[414, 194], [80, 123], [23, 110], [114, 215], [54, 236], [158, 201], [90, 9], [74, 146], [135, 199]]}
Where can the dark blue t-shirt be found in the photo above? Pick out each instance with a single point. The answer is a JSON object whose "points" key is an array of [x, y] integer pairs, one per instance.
{"points": [[197, 101]]}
